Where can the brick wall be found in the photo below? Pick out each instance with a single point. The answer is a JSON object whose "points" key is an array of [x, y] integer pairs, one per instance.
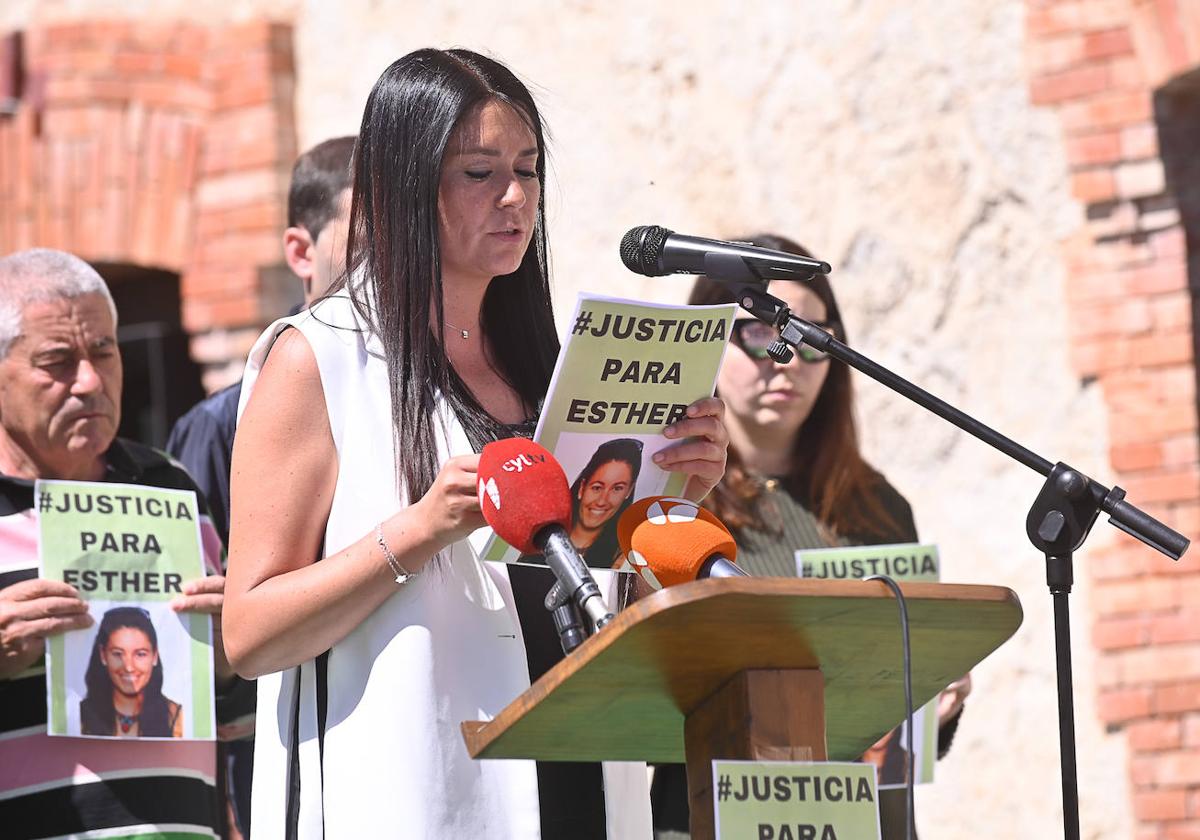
{"points": [[1098, 63], [166, 146]]}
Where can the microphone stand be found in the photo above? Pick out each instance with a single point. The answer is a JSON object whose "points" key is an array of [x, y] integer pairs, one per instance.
{"points": [[1059, 521]]}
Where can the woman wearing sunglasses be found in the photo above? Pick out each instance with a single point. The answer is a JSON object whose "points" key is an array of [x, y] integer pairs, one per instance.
{"points": [[794, 477]]}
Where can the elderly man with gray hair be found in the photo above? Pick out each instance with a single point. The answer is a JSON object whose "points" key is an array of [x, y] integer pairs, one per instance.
{"points": [[60, 397]]}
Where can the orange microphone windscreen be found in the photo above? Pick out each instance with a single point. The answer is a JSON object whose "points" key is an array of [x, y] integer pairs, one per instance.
{"points": [[522, 489], [672, 537]]}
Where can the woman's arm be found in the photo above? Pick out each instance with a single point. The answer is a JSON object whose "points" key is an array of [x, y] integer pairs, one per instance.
{"points": [[281, 606]]}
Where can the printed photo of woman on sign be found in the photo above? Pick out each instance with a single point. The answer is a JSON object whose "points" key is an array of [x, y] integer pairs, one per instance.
{"points": [[124, 681], [600, 494]]}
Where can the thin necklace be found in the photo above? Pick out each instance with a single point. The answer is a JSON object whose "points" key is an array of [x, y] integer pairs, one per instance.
{"points": [[465, 333]]}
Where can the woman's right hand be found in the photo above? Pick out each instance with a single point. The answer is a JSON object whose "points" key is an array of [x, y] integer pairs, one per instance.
{"points": [[451, 505]]}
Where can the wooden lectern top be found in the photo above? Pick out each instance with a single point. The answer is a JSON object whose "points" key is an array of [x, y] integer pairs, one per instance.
{"points": [[623, 695]]}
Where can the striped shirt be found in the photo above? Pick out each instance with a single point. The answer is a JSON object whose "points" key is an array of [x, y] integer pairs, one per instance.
{"points": [[80, 787]]}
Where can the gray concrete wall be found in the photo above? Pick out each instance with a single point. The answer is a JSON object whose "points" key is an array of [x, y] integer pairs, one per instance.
{"points": [[895, 138]]}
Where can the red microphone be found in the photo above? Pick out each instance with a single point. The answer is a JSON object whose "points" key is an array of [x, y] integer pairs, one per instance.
{"points": [[669, 540], [525, 497]]}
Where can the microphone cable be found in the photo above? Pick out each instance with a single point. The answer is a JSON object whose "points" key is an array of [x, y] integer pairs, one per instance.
{"points": [[909, 760]]}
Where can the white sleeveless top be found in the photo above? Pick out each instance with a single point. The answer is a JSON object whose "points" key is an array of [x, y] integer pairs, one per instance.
{"points": [[389, 760]]}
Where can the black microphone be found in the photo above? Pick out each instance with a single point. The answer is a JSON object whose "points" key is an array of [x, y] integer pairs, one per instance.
{"points": [[654, 251]]}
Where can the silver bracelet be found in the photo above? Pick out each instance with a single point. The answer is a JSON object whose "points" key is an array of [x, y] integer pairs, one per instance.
{"points": [[402, 575]]}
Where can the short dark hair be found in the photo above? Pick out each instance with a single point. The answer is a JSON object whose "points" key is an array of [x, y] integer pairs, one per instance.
{"points": [[319, 177]]}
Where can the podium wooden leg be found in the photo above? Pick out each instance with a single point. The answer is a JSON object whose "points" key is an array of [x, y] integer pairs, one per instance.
{"points": [[755, 716]]}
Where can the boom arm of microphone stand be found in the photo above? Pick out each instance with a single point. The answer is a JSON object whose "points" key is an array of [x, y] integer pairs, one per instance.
{"points": [[1122, 514]]}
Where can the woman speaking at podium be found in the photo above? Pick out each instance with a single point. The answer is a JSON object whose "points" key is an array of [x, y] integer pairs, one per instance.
{"points": [[795, 477], [352, 591]]}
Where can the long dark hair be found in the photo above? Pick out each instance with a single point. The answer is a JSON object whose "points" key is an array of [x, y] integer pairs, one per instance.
{"points": [[410, 116], [827, 471], [629, 451], [97, 715]]}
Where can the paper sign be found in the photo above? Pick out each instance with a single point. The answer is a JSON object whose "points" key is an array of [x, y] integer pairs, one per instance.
{"points": [[141, 670], [626, 371], [784, 800], [905, 562]]}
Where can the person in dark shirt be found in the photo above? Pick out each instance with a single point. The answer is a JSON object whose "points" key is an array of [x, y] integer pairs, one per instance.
{"points": [[795, 479], [60, 397]]}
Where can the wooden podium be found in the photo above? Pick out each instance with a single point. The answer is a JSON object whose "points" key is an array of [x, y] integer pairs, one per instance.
{"points": [[775, 669]]}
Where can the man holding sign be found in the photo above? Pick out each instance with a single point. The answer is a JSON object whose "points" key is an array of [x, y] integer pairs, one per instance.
{"points": [[60, 394]]}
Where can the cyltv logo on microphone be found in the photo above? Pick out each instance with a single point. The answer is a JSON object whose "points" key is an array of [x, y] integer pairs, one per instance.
{"points": [[489, 489]]}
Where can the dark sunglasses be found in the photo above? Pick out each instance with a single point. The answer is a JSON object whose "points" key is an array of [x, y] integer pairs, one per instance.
{"points": [[754, 337]]}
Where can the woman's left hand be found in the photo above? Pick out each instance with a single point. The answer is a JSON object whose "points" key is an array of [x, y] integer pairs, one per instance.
{"points": [[702, 447], [207, 595]]}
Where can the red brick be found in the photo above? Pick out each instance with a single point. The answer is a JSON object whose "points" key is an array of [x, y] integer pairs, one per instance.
{"points": [[182, 66], [1125, 704], [1108, 42], [1092, 357], [138, 64], [1122, 316], [1150, 425], [1094, 185], [1181, 767], [242, 248], [1184, 449], [1140, 179], [1093, 149], [1172, 310], [194, 38], [1139, 141], [1178, 484], [1127, 73], [1179, 697], [262, 216], [1169, 244], [1052, 19], [1184, 626], [1160, 805], [1121, 633], [1181, 831], [1152, 735], [1110, 109], [202, 315], [1185, 518], [1048, 55], [1134, 597], [1074, 83], [1136, 456], [1118, 562], [1191, 729], [237, 189], [1162, 276], [200, 284], [1158, 664], [1143, 771]]}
